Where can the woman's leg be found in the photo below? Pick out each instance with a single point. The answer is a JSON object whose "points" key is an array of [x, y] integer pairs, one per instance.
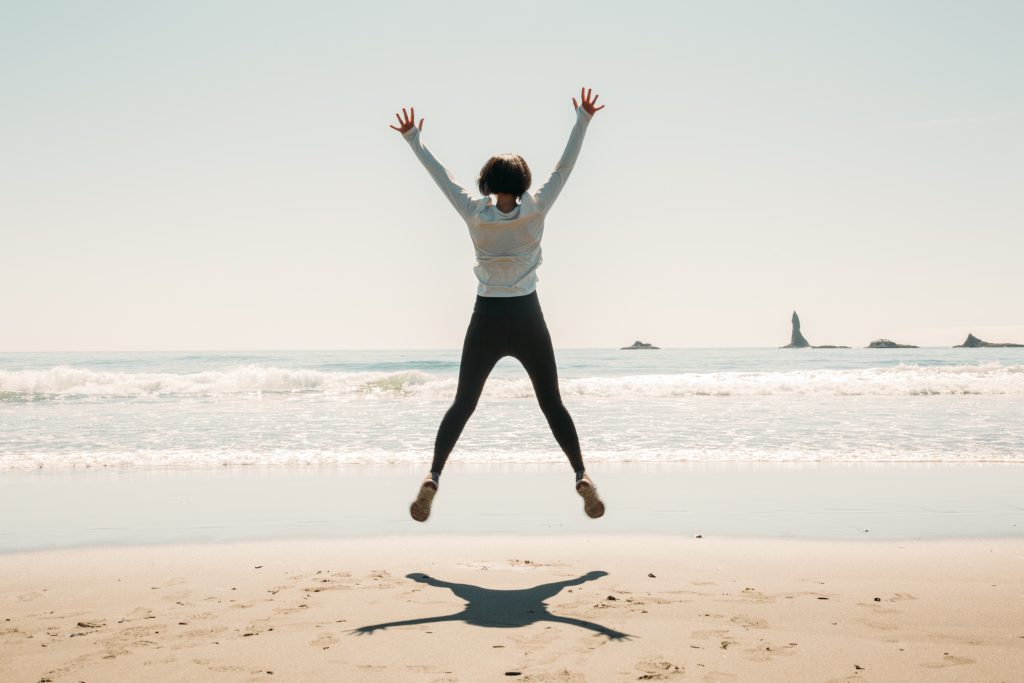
{"points": [[481, 350], [532, 347]]}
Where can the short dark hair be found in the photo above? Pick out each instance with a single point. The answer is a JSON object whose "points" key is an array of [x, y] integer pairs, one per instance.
{"points": [[504, 173]]}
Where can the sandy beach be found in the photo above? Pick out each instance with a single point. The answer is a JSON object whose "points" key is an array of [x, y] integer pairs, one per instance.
{"points": [[538, 608]]}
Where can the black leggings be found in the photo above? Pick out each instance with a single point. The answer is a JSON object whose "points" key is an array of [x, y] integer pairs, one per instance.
{"points": [[507, 326]]}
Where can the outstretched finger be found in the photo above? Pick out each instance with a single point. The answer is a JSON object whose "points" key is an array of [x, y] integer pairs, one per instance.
{"points": [[412, 114], [594, 101], [574, 105], [599, 108], [406, 115], [421, 124], [398, 129], [588, 94], [400, 121], [583, 95]]}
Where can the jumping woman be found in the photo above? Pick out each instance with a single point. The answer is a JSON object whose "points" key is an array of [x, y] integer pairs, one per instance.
{"points": [[506, 224]]}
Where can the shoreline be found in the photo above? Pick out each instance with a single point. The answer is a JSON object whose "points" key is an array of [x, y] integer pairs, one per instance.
{"points": [[870, 501]]}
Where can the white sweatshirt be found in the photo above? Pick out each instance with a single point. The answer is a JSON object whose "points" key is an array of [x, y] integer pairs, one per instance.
{"points": [[507, 244]]}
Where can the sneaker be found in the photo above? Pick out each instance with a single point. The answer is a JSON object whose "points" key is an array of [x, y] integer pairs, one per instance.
{"points": [[420, 508], [592, 505]]}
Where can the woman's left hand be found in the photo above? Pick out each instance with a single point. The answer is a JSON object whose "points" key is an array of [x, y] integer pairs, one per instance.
{"points": [[588, 103]]}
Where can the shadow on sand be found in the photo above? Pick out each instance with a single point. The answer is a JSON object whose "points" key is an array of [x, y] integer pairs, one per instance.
{"points": [[503, 608]]}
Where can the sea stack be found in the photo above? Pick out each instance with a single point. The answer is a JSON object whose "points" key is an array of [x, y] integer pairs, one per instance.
{"points": [[889, 344], [638, 345], [796, 340], [973, 342]]}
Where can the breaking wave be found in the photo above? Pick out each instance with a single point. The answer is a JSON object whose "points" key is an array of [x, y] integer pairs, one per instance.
{"points": [[62, 382]]}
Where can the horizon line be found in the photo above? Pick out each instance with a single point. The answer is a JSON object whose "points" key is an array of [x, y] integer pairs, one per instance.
{"points": [[456, 348]]}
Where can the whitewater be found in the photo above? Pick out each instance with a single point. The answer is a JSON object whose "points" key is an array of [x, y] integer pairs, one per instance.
{"points": [[186, 410]]}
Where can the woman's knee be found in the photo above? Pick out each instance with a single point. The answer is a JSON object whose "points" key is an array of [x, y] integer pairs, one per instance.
{"points": [[551, 404], [463, 405]]}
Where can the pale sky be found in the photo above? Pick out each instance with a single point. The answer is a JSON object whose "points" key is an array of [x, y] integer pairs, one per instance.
{"points": [[221, 175]]}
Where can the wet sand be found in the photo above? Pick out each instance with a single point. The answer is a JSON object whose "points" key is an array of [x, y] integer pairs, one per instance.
{"points": [[67, 508], [533, 608]]}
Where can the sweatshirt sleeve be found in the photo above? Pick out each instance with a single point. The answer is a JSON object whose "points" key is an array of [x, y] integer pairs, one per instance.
{"points": [[463, 202], [549, 191]]}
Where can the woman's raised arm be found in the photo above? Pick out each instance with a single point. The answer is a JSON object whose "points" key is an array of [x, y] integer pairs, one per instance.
{"points": [[549, 191], [463, 202]]}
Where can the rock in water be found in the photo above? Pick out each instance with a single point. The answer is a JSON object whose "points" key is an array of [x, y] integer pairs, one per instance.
{"points": [[973, 342], [889, 344], [638, 345], [796, 340]]}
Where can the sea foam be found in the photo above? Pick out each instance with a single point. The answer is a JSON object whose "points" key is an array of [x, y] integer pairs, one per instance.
{"points": [[64, 382]]}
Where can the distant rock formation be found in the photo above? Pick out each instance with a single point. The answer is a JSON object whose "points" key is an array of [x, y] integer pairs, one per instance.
{"points": [[973, 342], [889, 344], [797, 341], [638, 345]]}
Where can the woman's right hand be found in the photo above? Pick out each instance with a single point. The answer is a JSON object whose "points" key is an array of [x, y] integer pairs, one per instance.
{"points": [[588, 103], [408, 122]]}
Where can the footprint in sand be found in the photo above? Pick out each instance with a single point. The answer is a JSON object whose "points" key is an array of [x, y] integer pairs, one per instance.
{"points": [[321, 585], [768, 651], [136, 631], [176, 597], [257, 627], [879, 625], [199, 616], [111, 651], [290, 610], [196, 637], [378, 578], [717, 634], [325, 641], [655, 600], [749, 622], [949, 660], [173, 581], [563, 676], [877, 604], [658, 670], [754, 595]]}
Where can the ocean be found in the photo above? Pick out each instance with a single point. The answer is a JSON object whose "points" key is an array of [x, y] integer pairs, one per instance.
{"points": [[286, 408]]}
